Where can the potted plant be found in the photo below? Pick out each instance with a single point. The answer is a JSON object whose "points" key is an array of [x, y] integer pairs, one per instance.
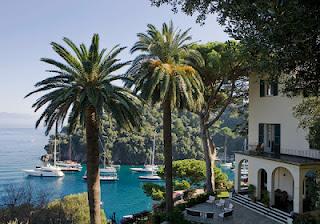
{"points": [[252, 192], [265, 199]]}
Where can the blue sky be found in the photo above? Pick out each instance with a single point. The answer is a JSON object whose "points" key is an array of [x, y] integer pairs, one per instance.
{"points": [[27, 28]]}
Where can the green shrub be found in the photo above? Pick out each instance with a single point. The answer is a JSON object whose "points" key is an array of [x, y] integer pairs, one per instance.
{"points": [[155, 191], [201, 198], [265, 198], [312, 217], [175, 217], [187, 195], [70, 209], [157, 195], [305, 219], [221, 180], [181, 185], [252, 191], [191, 170]]}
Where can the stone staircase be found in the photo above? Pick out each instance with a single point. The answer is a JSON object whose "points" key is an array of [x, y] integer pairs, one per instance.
{"points": [[272, 213]]}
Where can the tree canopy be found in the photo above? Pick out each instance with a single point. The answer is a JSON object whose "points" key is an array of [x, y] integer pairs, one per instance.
{"points": [[134, 147], [282, 35]]}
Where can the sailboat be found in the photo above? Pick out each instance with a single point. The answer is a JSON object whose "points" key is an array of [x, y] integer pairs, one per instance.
{"points": [[107, 173], [48, 170], [152, 176], [69, 165], [225, 164], [148, 168]]}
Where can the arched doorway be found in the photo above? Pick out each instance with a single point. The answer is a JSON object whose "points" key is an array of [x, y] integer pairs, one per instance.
{"points": [[283, 189], [262, 183], [243, 175]]}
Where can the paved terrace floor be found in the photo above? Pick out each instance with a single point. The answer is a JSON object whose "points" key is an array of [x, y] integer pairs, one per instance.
{"points": [[241, 215]]}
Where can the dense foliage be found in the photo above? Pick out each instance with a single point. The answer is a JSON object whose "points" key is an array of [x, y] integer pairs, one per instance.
{"points": [[286, 33], [24, 204], [308, 113], [224, 70], [134, 147], [75, 208], [187, 174], [190, 170]]}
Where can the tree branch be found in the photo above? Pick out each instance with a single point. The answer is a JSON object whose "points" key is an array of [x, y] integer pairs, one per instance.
{"points": [[228, 101]]}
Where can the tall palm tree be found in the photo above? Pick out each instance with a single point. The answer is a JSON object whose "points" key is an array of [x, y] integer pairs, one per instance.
{"points": [[159, 75], [82, 89]]}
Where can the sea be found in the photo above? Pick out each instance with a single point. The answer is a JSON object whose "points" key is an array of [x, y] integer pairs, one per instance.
{"points": [[21, 148]]}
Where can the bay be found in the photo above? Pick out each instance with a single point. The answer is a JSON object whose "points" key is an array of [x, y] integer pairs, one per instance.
{"points": [[21, 148]]}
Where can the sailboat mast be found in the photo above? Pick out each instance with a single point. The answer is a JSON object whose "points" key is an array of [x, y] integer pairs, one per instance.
{"points": [[153, 148], [70, 148], [225, 148], [55, 146]]}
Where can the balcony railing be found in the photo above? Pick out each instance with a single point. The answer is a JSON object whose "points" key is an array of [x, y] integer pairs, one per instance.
{"points": [[308, 153]]}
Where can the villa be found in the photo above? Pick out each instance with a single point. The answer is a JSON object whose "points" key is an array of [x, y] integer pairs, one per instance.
{"points": [[279, 159]]}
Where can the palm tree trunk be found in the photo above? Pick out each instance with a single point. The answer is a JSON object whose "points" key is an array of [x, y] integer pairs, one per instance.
{"points": [[93, 180], [167, 138], [209, 153]]}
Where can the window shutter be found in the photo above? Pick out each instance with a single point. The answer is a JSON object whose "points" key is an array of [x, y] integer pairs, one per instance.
{"points": [[277, 134], [261, 133], [275, 89], [277, 139], [262, 90]]}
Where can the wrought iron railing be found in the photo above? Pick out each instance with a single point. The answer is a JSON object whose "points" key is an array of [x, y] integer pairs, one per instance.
{"points": [[308, 153]]}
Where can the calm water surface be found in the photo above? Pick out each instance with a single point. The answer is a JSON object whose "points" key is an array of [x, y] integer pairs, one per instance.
{"points": [[21, 149]]}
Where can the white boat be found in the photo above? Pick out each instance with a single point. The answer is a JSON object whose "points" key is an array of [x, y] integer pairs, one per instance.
{"points": [[48, 170], [69, 165], [107, 173], [151, 177], [145, 169], [226, 165], [45, 171], [108, 169], [148, 168], [153, 168], [105, 176]]}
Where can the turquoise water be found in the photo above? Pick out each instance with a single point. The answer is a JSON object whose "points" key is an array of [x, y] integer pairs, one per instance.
{"points": [[21, 149]]}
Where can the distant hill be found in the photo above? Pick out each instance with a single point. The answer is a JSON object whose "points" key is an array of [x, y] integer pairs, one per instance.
{"points": [[17, 120]]}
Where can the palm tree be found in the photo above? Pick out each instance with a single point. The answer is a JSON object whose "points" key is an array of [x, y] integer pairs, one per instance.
{"points": [[159, 75], [82, 89]]}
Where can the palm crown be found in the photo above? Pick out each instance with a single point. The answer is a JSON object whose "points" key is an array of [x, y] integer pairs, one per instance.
{"points": [[84, 81], [159, 73]]}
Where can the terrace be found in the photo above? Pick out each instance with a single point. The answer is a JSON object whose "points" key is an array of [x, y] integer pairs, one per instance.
{"points": [[240, 215]]}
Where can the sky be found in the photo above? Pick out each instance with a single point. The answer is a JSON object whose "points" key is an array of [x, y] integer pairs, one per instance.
{"points": [[28, 27]]}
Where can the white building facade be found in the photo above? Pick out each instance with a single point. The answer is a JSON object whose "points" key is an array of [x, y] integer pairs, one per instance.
{"points": [[278, 156]]}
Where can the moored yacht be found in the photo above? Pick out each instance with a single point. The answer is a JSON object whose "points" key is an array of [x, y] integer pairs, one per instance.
{"points": [[153, 176], [45, 171], [146, 169], [48, 170], [105, 175], [69, 165]]}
